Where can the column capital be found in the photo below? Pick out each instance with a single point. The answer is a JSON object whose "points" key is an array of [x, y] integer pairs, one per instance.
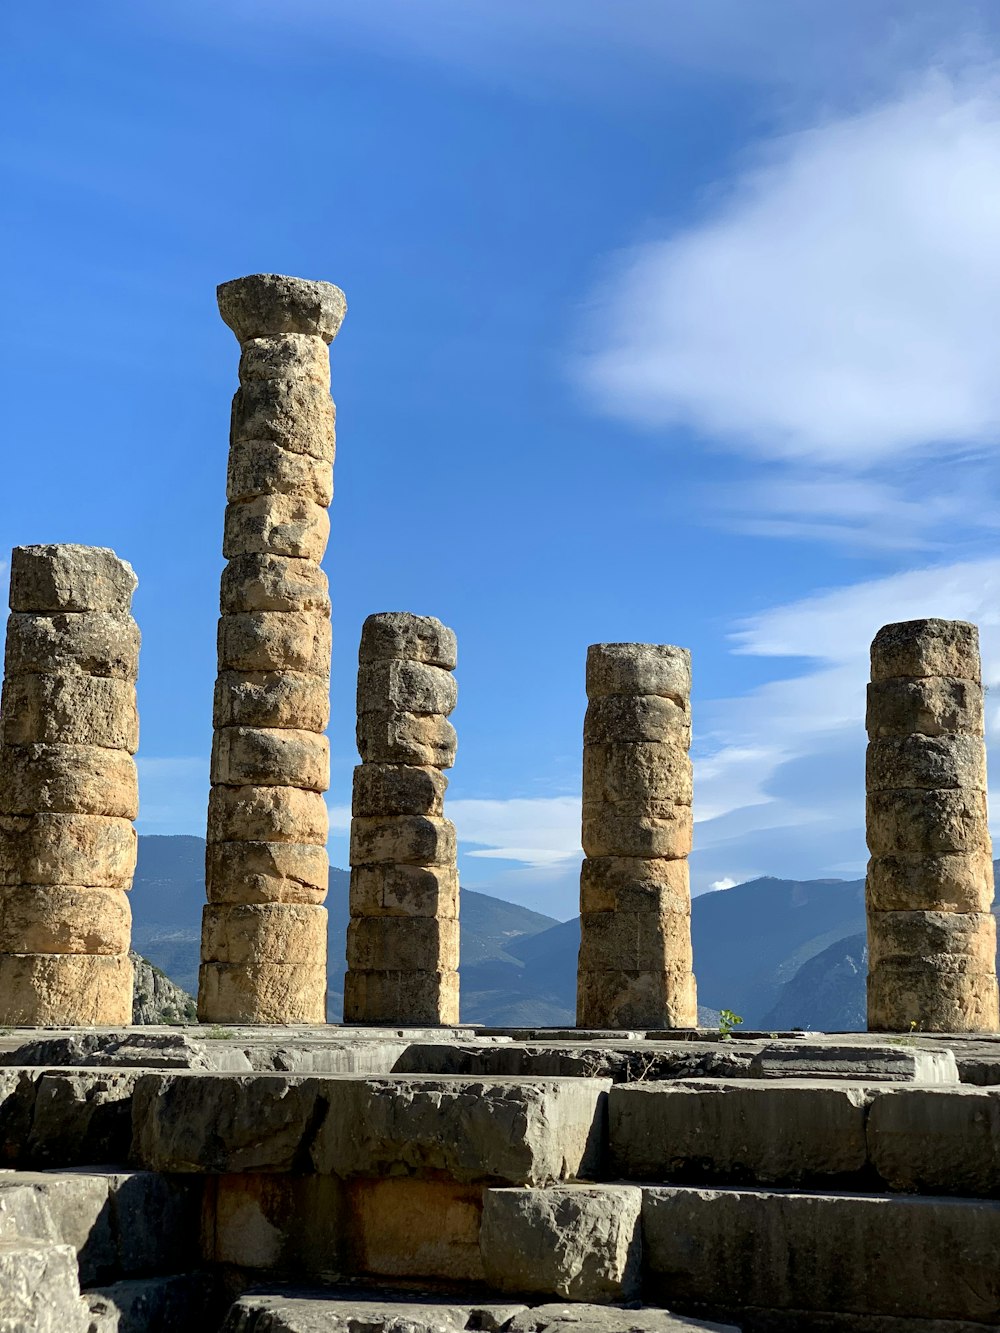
{"points": [[263, 305]]}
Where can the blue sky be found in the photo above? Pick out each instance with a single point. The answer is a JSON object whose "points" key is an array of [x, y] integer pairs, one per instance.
{"points": [[667, 322]]}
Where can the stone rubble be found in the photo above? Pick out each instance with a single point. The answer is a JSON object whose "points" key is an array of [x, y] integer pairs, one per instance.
{"points": [[929, 888], [635, 966], [402, 941], [68, 787], [263, 956]]}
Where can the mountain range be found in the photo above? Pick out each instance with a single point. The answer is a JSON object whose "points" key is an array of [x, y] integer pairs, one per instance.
{"points": [[780, 953]]}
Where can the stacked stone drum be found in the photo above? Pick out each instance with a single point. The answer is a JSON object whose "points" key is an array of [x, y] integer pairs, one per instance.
{"points": [[68, 790], [931, 934], [264, 928], [402, 942], [635, 903]]}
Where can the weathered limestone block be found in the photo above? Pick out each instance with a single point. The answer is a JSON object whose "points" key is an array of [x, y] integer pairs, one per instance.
{"points": [[57, 919], [644, 778], [96, 850], [574, 1242], [70, 578], [428, 998], [388, 943], [273, 583], [271, 757], [263, 932], [96, 643], [932, 939], [398, 789], [639, 668], [262, 468], [40, 1288], [394, 890], [297, 414], [267, 814], [266, 305], [400, 636], [276, 641], [427, 740], [44, 989], [782, 1132], [266, 872], [276, 525], [286, 699], [634, 884], [937, 1140], [285, 356], [653, 940], [610, 832], [291, 1225], [412, 687], [412, 840], [259, 992], [633, 718], [406, 1227], [70, 710], [68, 779], [637, 999]]}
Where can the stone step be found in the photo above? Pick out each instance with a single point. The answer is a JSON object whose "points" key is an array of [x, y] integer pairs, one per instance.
{"points": [[727, 1251], [932, 1140], [156, 1304], [327, 1310], [39, 1288]]}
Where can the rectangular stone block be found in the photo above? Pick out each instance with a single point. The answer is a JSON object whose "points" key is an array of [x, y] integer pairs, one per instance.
{"points": [[406, 738], [298, 414], [910, 996], [77, 1117], [401, 998], [623, 999], [41, 918], [263, 933], [402, 944], [926, 762], [405, 891], [92, 850], [70, 578], [643, 779], [68, 779], [405, 687], [926, 648], [276, 525], [291, 1225], [464, 1130], [866, 1254], [937, 1140], [646, 941], [947, 941], [926, 821], [617, 719], [780, 1132], [393, 635], [261, 467], [273, 583], [262, 992], [639, 668], [913, 882], [398, 789], [567, 1242], [94, 643], [932, 706], [272, 699], [286, 356], [270, 757], [70, 710], [403, 840], [276, 641], [634, 884], [40, 1288], [267, 814], [607, 832], [65, 990], [266, 872], [410, 1228], [867, 1062], [67, 1209]]}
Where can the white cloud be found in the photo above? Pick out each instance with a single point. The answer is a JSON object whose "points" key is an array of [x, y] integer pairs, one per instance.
{"points": [[536, 831], [727, 882]]}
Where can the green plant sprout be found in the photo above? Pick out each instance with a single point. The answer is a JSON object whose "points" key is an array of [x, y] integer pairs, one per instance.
{"points": [[727, 1021]]}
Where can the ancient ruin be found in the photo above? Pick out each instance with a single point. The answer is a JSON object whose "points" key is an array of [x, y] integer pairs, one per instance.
{"points": [[402, 942], [929, 889], [68, 787], [635, 965], [263, 953]]}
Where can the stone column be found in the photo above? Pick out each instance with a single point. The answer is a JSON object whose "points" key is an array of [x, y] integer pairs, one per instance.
{"points": [[263, 949], [931, 934], [635, 966], [68, 790], [402, 942]]}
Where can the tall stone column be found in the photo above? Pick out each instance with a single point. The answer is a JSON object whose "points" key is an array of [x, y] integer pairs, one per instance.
{"points": [[402, 941], [68, 790], [929, 889], [263, 949], [635, 965]]}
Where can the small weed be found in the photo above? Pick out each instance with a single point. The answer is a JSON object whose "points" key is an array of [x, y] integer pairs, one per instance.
{"points": [[727, 1021], [216, 1033]]}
